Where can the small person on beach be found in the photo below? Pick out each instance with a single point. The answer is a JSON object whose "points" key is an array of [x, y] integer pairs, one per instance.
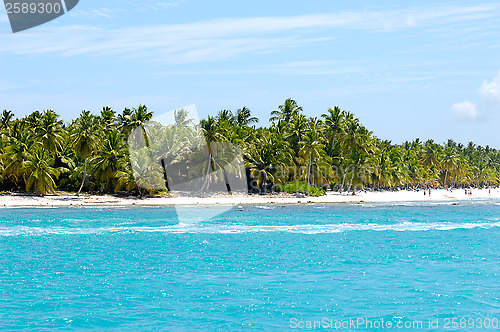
{"points": [[429, 193]]}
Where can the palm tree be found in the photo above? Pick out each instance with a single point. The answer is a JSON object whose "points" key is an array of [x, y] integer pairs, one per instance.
{"points": [[124, 119], [108, 119], [5, 119], [384, 169], [144, 172], [139, 117], [358, 143], [125, 180], [431, 155], [50, 132], [17, 152], [296, 129], [449, 162], [109, 157], [244, 117], [225, 116], [333, 121], [285, 112], [40, 172], [400, 170], [181, 118], [268, 159], [212, 134], [32, 120], [431, 159], [85, 135], [311, 149]]}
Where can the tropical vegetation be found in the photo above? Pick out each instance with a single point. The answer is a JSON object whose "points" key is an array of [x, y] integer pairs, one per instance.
{"points": [[40, 153]]}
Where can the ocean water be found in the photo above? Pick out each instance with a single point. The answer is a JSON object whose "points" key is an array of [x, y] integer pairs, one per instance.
{"points": [[268, 267]]}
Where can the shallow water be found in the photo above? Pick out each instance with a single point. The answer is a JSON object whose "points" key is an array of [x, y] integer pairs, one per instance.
{"points": [[265, 267]]}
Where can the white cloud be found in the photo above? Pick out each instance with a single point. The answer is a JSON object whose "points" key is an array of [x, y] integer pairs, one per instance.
{"points": [[490, 101], [226, 38], [93, 13], [490, 93], [465, 111], [168, 4], [116, 9]]}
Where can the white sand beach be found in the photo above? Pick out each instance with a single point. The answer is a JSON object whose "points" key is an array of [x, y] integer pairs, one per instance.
{"points": [[239, 199]]}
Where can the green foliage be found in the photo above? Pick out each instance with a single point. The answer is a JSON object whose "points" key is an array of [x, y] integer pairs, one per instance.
{"points": [[40, 153], [300, 187], [40, 174]]}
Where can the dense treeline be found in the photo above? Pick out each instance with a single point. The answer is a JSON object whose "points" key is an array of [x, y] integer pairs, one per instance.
{"points": [[40, 153]]}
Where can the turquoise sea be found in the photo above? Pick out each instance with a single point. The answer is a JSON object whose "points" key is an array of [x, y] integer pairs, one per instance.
{"points": [[269, 267]]}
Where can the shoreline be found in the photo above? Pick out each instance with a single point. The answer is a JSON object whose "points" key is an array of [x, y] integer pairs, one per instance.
{"points": [[437, 195]]}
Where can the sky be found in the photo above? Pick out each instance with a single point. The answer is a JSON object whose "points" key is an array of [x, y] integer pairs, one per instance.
{"points": [[407, 69]]}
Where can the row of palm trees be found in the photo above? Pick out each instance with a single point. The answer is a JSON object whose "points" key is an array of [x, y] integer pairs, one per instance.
{"points": [[39, 153]]}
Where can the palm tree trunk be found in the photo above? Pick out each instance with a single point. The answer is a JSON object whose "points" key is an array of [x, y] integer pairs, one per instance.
{"points": [[25, 184], [226, 180], [351, 182], [208, 174], [308, 173], [333, 143], [165, 174], [146, 138], [84, 176], [263, 181], [343, 181]]}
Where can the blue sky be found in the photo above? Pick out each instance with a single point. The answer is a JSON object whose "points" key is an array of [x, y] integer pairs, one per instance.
{"points": [[409, 69]]}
